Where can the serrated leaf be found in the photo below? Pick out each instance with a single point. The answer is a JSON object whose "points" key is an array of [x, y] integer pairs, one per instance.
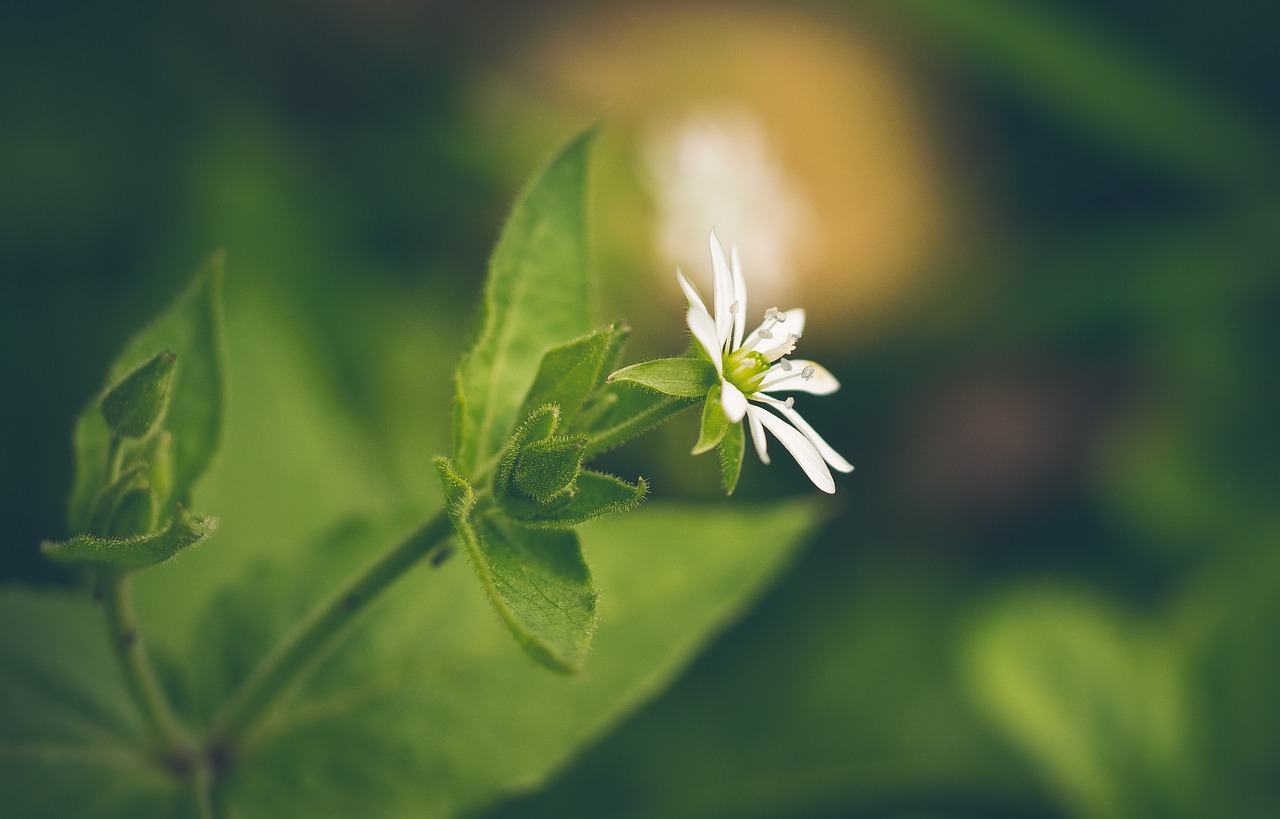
{"points": [[192, 329], [595, 495], [731, 449], [714, 423], [537, 581], [681, 377], [135, 552], [71, 740], [571, 372], [536, 297]]}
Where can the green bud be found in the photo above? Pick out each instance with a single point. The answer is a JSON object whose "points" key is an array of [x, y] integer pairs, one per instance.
{"points": [[136, 404], [545, 470]]}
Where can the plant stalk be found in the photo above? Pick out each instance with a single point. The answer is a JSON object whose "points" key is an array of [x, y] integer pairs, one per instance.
{"points": [[288, 662], [167, 733]]}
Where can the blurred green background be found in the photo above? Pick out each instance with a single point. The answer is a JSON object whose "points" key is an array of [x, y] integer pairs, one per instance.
{"points": [[1039, 244]]}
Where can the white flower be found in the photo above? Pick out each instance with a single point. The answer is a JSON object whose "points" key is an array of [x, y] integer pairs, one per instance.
{"points": [[751, 366]]}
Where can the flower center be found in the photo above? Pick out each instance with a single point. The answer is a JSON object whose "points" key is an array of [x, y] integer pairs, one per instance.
{"points": [[745, 369]]}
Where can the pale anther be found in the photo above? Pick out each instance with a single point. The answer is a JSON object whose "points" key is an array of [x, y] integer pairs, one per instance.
{"points": [[807, 372], [785, 365], [765, 334], [733, 308]]}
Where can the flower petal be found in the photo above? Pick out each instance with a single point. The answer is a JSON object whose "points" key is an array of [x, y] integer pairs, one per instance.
{"points": [[828, 454], [690, 292], [733, 401], [800, 447], [757, 438], [703, 328], [740, 296], [722, 289], [821, 382]]}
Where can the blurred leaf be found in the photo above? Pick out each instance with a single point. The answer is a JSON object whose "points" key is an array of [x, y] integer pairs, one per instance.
{"points": [[537, 582], [135, 552], [71, 741], [426, 711], [192, 329], [536, 297], [571, 372], [1075, 68], [1097, 703]]}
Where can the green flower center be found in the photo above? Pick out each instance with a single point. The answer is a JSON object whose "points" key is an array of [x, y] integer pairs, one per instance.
{"points": [[745, 370]]}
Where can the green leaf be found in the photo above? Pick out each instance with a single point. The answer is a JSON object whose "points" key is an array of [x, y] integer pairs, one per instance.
{"points": [[71, 740], [134, 406], [594, 495], [731, 448], [135, 552], [1087, 694], [537, 581], [536, 297], [714, 423], [682, 377], [192, 329], [427, 687], [571, 372]]}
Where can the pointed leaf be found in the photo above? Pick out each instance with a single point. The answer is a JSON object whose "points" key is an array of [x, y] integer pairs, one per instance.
{"points": [[537, 427], [731, 448], [596, 495], [537, 581], [683, 377], [571, 372], [136, 552], [536, 297], [714, 423], [192, 329]]}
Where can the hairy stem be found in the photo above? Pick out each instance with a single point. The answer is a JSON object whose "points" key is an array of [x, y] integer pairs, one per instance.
{"points": [[168, 735], [289, 661]]}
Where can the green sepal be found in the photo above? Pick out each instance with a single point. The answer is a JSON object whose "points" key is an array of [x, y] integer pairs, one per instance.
{"points": [[137, 403], [536, 581], [137, 513], [568, 374], [108, 501], [547, 469], [182, 531], [682, 377], [731, 449], [714, 423], [596, 494]]}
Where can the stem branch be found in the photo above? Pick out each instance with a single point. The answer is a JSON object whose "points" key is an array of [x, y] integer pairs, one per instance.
{"points": [[167, 733], [297, 652]]}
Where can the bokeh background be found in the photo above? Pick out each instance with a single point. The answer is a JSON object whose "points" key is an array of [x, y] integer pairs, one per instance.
{"points": [[1038, 243]]}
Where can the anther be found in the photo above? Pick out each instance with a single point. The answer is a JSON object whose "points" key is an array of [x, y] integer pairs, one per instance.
{"points": [[765, 334], [733, 308], [807, 372], [785, 365], [779, 316], [790, 402]]}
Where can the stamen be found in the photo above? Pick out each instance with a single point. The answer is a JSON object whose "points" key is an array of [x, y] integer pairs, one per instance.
{"points": [[808, 372], [733, 308], [765, 334], [781, 316], [790, 402], [785, 365]]}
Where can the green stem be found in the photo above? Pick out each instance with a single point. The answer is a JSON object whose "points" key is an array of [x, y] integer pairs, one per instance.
{"points": [[296, 654], [167, 733]]}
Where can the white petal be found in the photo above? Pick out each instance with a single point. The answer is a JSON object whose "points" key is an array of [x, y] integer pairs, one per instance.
{"points": [[740, 296], [703, 328], [821, 382], [733, 401], [722, 288], [757, 438], [800, 447], [828, 454], [690, 292]]}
